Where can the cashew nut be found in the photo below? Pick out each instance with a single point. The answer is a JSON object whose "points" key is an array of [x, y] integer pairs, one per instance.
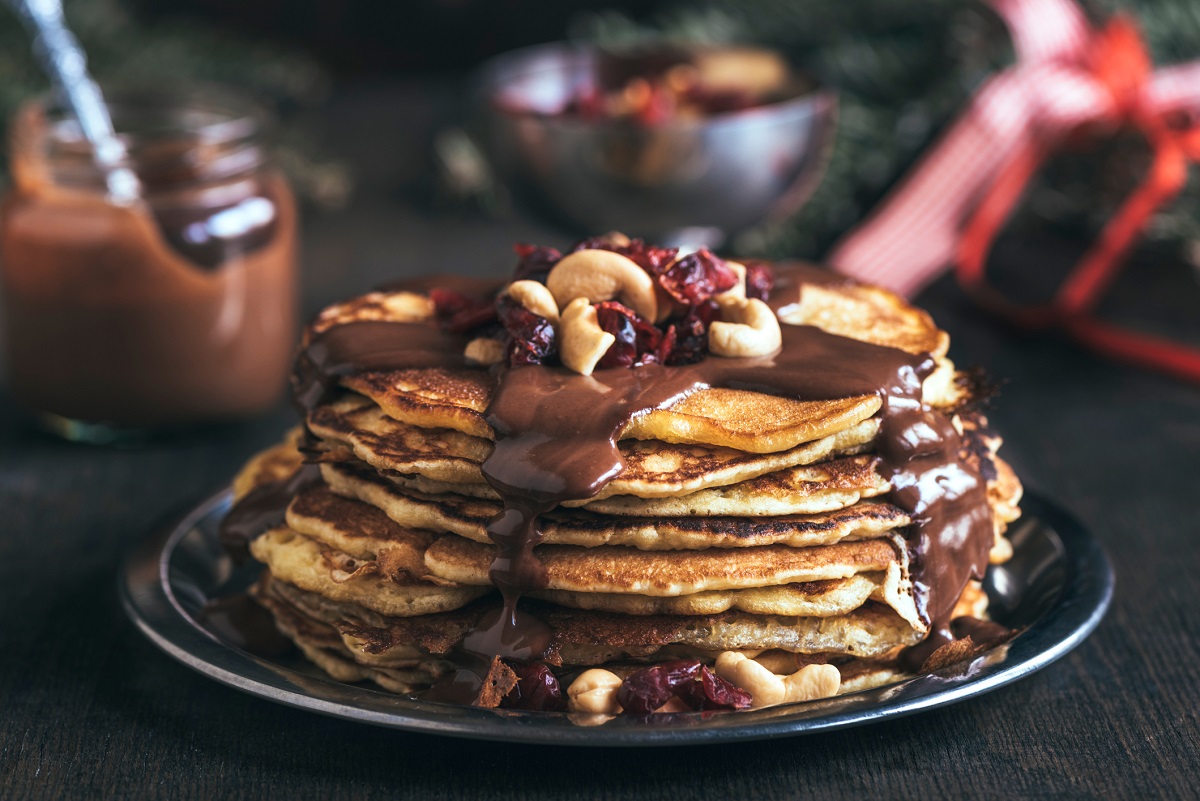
{"points": [[812, 682], [600, 275], [582, 343], [535, 297], [767, 689], [594, 691], [615, 238], [746, 328], [484, 350], [738, 291]]}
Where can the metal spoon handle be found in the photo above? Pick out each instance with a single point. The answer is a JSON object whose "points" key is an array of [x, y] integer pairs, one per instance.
{"points": [[63, 58]]}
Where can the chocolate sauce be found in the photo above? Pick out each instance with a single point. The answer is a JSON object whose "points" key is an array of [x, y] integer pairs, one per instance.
{"points": [[262, 509], [556, 440], [244, 623], [981, 631], [362, 346], [330, 355]]}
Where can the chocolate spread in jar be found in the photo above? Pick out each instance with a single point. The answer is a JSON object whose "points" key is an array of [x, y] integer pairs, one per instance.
{"points": [[178, 308]]}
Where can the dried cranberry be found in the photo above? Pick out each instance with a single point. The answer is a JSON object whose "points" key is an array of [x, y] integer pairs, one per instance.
{"points": [[760, 280], [623, 350], [603, 242], [537, 689], [665, 345], [459, 313], [697, 277], [650, 258], [691, 334], [689, 680], [658, 108], [534, 262], [636, 337], [531, 337], [714, 692]]}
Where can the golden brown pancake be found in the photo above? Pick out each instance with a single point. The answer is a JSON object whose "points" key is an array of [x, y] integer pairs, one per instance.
{"points": [[825, 598], [322, 643], [294, 558], [275, 463], [807, 489], [866, 313], [742, 521], [588, 638], [468, 517], [652, 469], [616, 569], [730, 418]]}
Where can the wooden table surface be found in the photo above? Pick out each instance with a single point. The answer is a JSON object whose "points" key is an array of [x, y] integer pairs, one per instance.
{"points": [[90, 709]]}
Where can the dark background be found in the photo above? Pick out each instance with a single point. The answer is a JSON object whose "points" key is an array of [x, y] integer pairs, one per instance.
{"points": [[413, 37], [90, 709]]}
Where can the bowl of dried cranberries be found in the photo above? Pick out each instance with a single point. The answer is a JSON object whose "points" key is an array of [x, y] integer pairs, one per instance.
{"points": [[677, 145]]}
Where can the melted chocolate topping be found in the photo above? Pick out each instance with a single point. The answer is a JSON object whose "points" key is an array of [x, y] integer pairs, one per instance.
{"points": [[244, 623], [556, 440]]}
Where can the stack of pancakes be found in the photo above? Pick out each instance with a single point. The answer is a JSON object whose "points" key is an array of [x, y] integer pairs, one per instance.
{"points": [[741, 521]]}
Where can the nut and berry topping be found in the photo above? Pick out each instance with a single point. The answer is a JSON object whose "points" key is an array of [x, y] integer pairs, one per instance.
{"points": [[612, 302]]}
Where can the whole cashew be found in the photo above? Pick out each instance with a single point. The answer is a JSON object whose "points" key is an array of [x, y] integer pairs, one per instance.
{"points": [[746, 328], [595, 691], [812, 682], [600, 275], [535, 297], [581, 341], [767, 689], [484, 350]]}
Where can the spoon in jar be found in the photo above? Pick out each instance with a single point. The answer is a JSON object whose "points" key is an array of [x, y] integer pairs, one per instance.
{"points": [[63, 59]]}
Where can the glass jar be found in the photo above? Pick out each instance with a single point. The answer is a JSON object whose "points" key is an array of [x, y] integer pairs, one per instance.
{"points": [[177, 308]]}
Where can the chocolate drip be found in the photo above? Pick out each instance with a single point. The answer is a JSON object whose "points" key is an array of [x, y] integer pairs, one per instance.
{"points": [[330, 355], [262, 509], [557, 432], [981, 631], [244, 623], [361, 346]]}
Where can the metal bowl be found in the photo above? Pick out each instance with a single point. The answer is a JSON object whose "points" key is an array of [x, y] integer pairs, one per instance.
{"points": [[683, 182]]}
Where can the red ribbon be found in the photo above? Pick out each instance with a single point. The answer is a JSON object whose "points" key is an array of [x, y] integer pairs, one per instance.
{"points": [[949, 209]]}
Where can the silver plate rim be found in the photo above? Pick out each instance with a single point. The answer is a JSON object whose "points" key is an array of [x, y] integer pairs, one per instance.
{"points": [[149, 597]]}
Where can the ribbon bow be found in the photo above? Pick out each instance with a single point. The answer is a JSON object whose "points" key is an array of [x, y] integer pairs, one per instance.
{"points": [[949, 209]]}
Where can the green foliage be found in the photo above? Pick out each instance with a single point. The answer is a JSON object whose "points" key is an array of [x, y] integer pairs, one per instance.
{"points": [[903, 71]]}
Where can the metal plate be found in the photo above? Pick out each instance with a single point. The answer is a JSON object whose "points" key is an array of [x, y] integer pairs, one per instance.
{"points": [[1058, 584]]}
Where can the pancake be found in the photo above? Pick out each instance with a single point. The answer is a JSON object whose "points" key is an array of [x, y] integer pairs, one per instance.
{"points": [[322, 644], [273, 464], [808, 489], [360, 530], [589, 638], [652, 469], [457, 398], [293, 558], [741, 521], [616, 569], [803, 599], [395, 307], [468, 517], [335, 545], [858, 311]]}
